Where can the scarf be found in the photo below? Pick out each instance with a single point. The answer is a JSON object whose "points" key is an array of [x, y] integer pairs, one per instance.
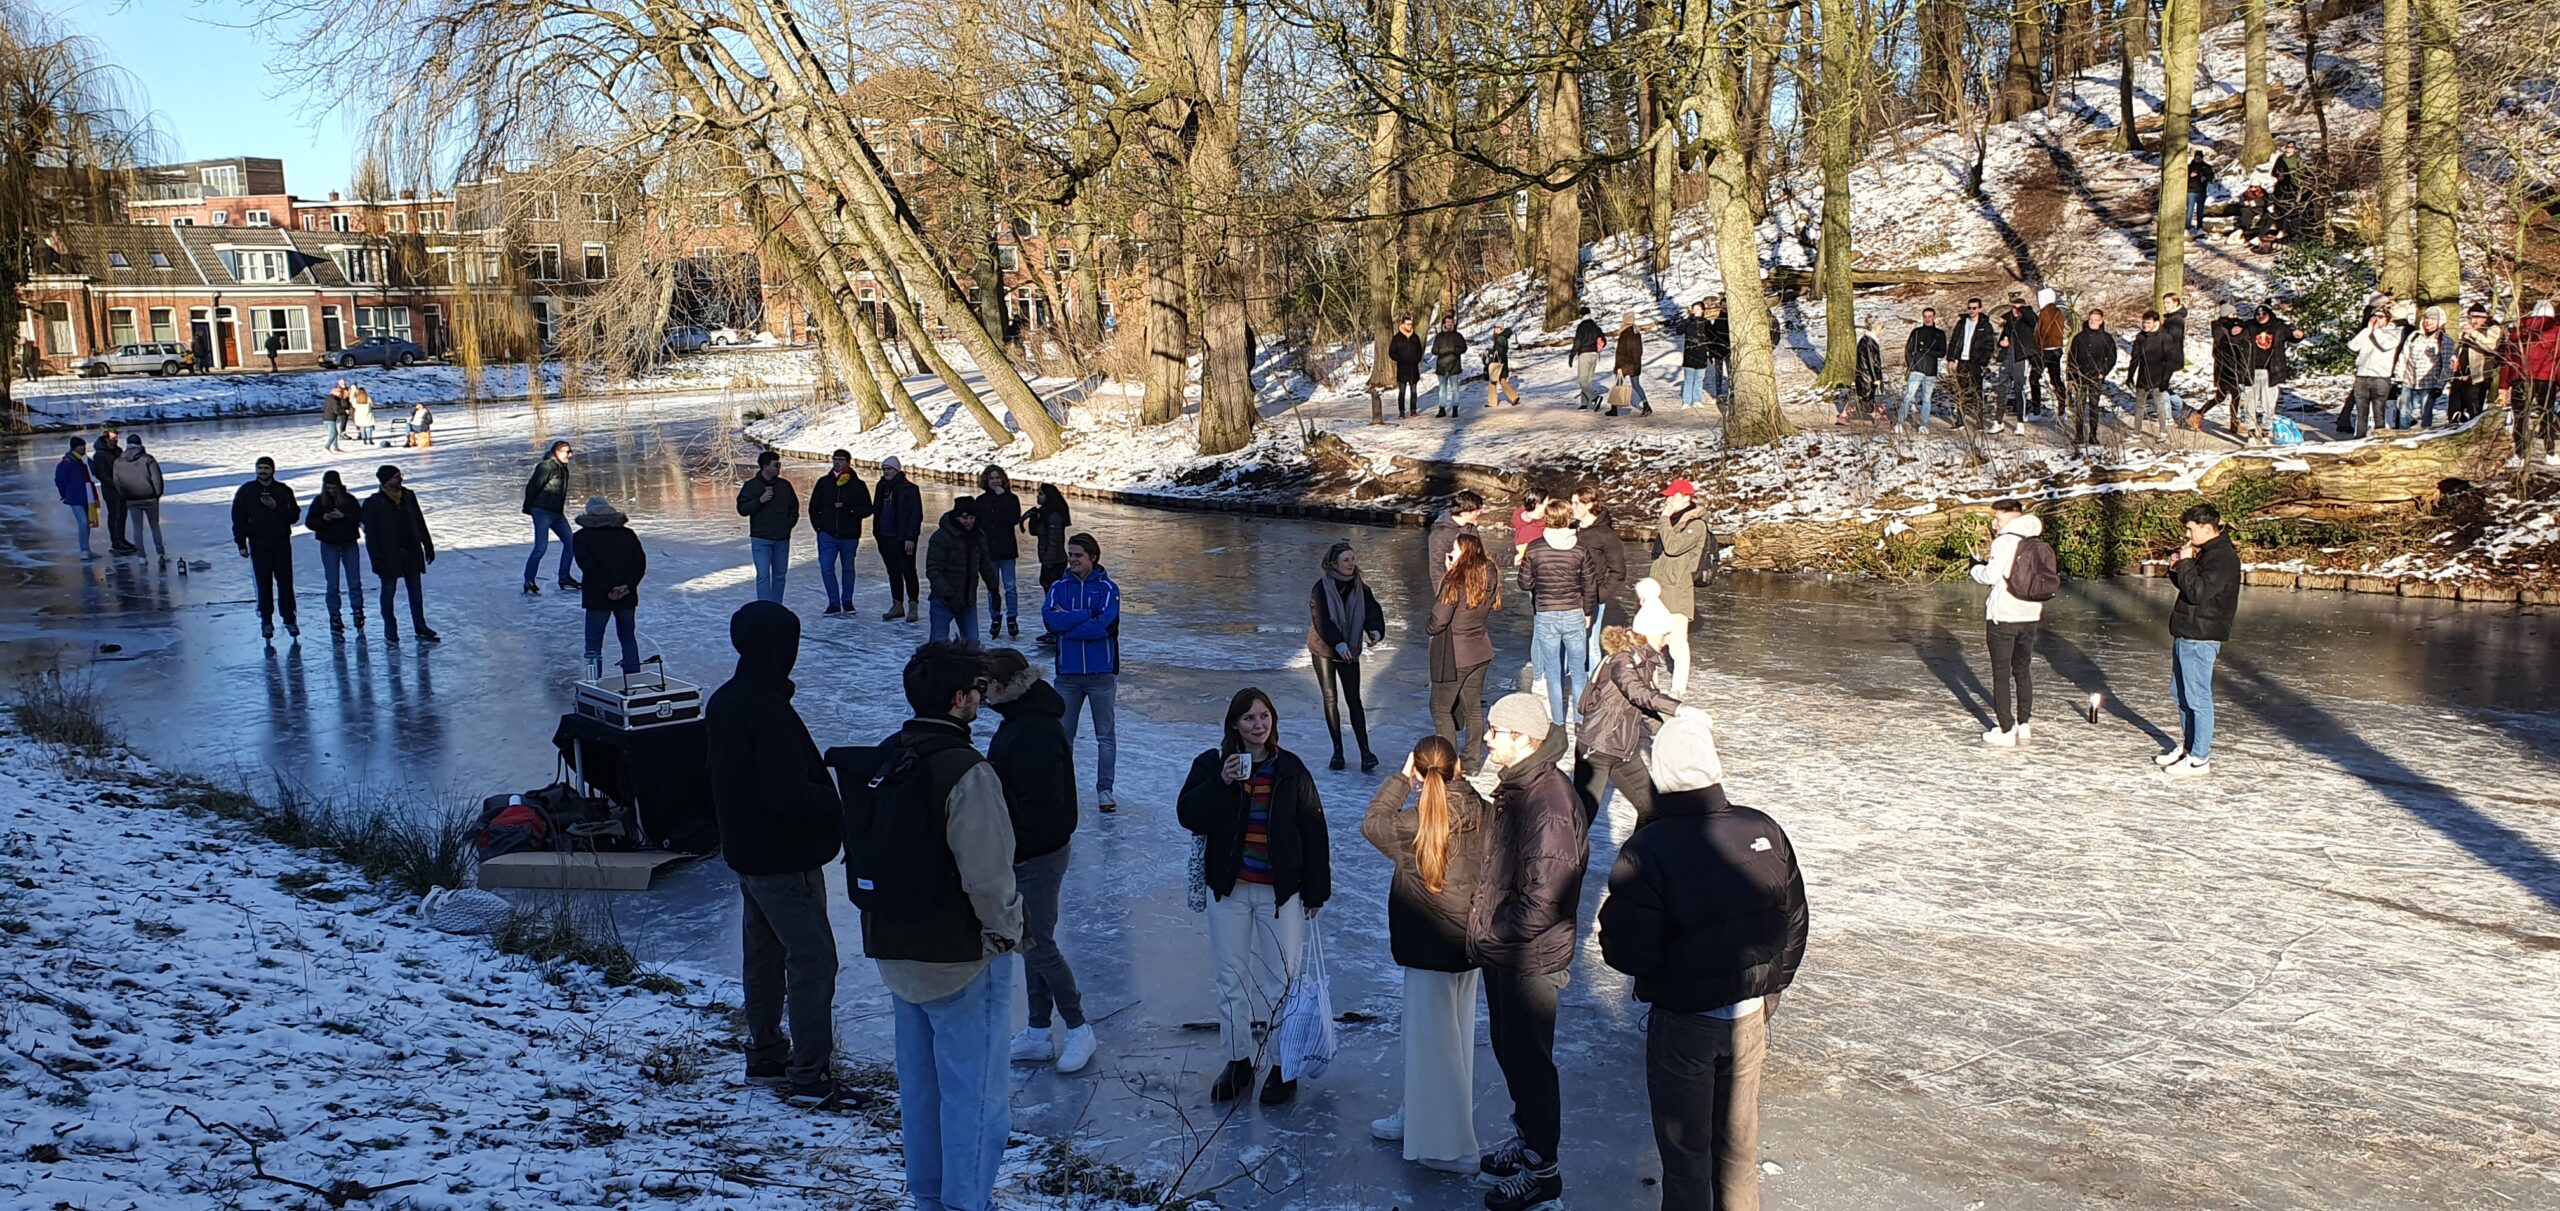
{"points": [[1347, 605]]}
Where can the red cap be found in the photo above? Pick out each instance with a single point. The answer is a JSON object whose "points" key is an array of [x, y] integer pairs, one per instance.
{"points": [[1681, 487]]}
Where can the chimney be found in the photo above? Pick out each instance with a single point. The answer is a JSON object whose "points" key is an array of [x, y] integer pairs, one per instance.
{"points": [[333, 195]]}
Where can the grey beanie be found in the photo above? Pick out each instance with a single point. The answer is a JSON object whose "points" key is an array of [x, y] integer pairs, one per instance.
{"points": [[1522, 713]]}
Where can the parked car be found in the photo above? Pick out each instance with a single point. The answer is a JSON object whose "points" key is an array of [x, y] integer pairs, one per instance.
{"points": [[375, 351], [732, 336], [158, 357], [687, 338]]}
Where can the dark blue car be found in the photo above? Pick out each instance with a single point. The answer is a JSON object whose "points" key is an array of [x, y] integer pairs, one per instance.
{"points": [[375, 351]]}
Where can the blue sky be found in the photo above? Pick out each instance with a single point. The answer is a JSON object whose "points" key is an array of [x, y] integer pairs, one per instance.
{"points": [[205, 74]]}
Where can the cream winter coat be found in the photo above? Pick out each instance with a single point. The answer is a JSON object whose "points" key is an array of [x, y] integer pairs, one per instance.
{"points": [[1994, 571]]}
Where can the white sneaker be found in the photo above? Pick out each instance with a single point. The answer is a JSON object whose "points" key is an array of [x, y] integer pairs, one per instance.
{"points": [[2189, 768], [2000, 739], [2170, 758], [2026, 731], [1078, 1051], [1390, 1128], [1032, 1046], [1104, 801], [2020, 428]]}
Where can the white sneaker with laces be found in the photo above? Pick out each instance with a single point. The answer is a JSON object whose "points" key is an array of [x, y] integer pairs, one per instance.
{"points": [[2189, 768], [1391, 1129], [1079, 1050], [2170, 758], [1032, 1046], [2000, 739]]}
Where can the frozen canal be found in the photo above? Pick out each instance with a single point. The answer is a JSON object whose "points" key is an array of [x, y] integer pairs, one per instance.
{"points": [[2327, 976]]}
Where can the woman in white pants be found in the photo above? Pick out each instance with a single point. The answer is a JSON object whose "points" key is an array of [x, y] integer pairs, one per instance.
{"points": [[1438, 852], [1269, 871]]}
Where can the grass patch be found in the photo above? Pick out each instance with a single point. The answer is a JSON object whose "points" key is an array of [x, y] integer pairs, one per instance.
{"points": [[398, 844], [61, 709], [580, 934], [1067, 1171]]}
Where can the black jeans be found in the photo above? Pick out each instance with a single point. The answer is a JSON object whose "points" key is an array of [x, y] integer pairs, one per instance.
{"points": [[900, 563], [1968, 393], [2051, 359], [2013, 657], [1408, 396], [2468, 399], [115, 518], [788, 958], [1521, 1016], [1457, 714], [1702, 1075], [2088, 396], [1346, 674], [1595, 773], [271, 563]]}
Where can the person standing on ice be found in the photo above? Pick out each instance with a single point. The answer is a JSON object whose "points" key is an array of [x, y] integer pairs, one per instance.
{"points": [[1050, 521], [1706, 912], [999, 513], [1923, 352], [1620, 708], [1520, 932], [2207, 573], [336, 521], [2093, 358], [1587, 341], [263, 513], [1405, 350], [2010, 622], [102, 472], [1267, 864], [955, 564], [138, 479], [1437, 850], [1036, 761], [1470, 593], [839, 502], [398, 545], [1598, 537], [1464, 514], [1083, 611], [1560, 579], [772, 509], [780, 824], [546, 501], [1449, 363], [78, 490], [1682, 544], [895, 526], [1343, 621], [611, 556]]}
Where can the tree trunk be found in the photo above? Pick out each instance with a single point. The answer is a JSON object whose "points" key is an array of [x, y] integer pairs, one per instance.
{"points": [[1835, 125], [1168, 371], [893, 386], [2022, 84], [1560, 142], [1213, 231], [2439, 154], [2399, 242], [1755, 418], [2072, 41], [1941, 28], [2311, 74], [1381, 238], [2257, 144], [2181, 29], [2133, 37]]}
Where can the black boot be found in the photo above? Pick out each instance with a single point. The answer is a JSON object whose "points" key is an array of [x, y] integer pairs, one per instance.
{"points": [[1337, 760], [1277, 1092], [1233, 1082]]}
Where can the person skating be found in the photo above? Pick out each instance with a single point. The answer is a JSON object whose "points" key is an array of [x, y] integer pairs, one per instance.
{"points": [[1267, 863], [1470, 593], [1561, 581], [955, 565], [546, 501], [1600, 540], [1630, 367], [1404, 349], [2269, 336], [941, 957], [2207, 573], [1083, 611], [1343, 621], [1050, 521], [2093, 358], [263, 513], [1706, 913], [1682, 545], [896, 525], [1520, 932], [1036, 762], [2010, 622], [398, 545], [2426, 366], [1587, 341], [102, 472], [77, 487], [2148, 369], [2377, 352], [1972, 342], [780, 824], [1448, 364], [1923, 352], [999, 520], [614, 563], [1497, 368], [140, 486], [772, 509], [839, 502], [336, 520], [1437, 850], [1620, 708]]}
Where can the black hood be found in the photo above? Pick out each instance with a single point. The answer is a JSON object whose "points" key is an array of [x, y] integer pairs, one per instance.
{"points": [[767, 636], [1039, 700]]}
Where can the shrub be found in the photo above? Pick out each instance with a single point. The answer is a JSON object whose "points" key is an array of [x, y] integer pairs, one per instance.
{"points": [[2328, 284], [64, 710]]}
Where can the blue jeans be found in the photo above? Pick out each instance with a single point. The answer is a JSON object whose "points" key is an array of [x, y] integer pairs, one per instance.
{"points": [[1715, 383], [545, 524], [330, 440], [772, 558], [2192, 682], [1693, 385], [1591, 649], [953, 1104], [962, 626], [80, 525], [1917, 392], [337, 557], [1449, 391], [1004, 606], [834, 553], [1558, 643], [2416, 406], [621, 617], [1103, 691], [2195, 211]]}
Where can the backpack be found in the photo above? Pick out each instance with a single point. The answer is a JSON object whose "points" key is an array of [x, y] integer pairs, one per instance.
{"points": [[2034, 574], [890, 815]]}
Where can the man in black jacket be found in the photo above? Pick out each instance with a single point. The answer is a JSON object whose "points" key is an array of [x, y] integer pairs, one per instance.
{"points": [[2018, 385], [838, 504], [2148, 370], [546, 501], [263, 514], [1465, 514], [1405, 350], [955, 564], [1608, 566], [1449, 363], [1037, 765], [897, 521], [1971, 343], [1521, 932], [1922, 353], [779, 827], [772, 509], [2093, 358], [1706, 911], [102, 465], [2207, 573], [1587, 339]]}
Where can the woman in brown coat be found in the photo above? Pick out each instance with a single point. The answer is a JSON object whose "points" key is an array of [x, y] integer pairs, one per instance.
{"points": [[1630, 367]]}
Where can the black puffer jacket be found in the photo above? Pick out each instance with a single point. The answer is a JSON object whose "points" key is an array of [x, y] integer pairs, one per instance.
{"points": [[999, 520], [2154, 359], [396, 541], [1621, 704], [776, 801], [1608, 565], [1405, 350], [2093, 353], [1706, 905], [1301, 851], [2208, 592], [955, 563], [1427, 930], [1557, 578], [1537, 842], [1037, 765], [263, 512], [609, 556], [548, 486]]}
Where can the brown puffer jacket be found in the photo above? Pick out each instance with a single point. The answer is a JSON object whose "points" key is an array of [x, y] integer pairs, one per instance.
{"points": [[2053, 327]]}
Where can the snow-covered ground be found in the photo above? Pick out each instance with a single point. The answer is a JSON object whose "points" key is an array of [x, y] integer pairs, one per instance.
{"points": [[191, 1006]]}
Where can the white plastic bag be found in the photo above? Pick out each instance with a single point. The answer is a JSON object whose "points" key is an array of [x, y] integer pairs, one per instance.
{"points": [[1198, 893], [468, 910], [1306, 1017]]}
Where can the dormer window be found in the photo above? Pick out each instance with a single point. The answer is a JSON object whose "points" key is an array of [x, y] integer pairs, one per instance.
{"points": [[159, 260]]}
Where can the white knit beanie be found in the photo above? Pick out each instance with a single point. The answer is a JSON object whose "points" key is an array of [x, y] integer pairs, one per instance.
{"points": [[1653, 623], [1684, 755]]}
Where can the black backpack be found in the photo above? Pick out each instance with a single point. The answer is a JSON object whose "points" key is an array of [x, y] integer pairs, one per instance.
{"points": [[2034, 573], [893, 816]]}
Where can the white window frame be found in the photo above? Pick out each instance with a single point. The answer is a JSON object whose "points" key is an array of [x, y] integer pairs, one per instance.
{"points": [[341, 224], [164, 325], [594, 262], [122, 332], [297, 329], [221, 218], [1008, 259], [183, 221], [361, 266], [396, 222], [390, 321], [431, 220], [258, 218], [272, 265], [441, 264], [61, 337], [600, 207], [542, 206], [1062, 259], [542, 253]]}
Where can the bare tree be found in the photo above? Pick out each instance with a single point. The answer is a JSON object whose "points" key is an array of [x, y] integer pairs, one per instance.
{"points": [[1755, 417], [2181, 24], [1837, 129]]}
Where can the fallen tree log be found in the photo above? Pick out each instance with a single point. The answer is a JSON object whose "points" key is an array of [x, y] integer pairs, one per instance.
{"points": [[1865, 278]]}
